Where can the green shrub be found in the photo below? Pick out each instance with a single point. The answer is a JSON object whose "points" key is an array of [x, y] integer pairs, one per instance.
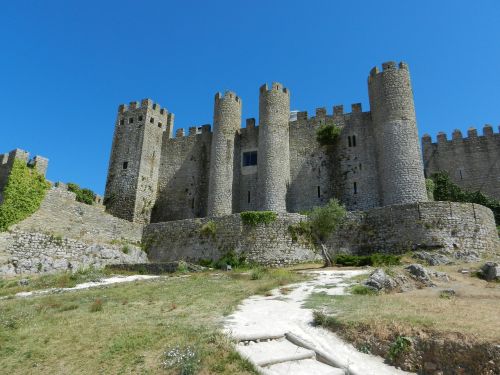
{"points": [[86, 196], [125, 249], [326, 321], [400, 346], [23, 194], [327, 134], [446, 190], [324, 220], [209, 229], [254, 218], [257, 273], [362, 290], [230, 259], [375, 260], [430, 186], [301, 229]]}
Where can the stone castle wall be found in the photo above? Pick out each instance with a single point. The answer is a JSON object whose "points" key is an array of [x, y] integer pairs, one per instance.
{"points": [[473, 162], [270, 244], [420, 226], [66, 235]]}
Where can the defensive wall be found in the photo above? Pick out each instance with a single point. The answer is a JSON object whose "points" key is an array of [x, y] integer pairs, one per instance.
{"points": [[455, 227], [67, 235], [473, 162]]}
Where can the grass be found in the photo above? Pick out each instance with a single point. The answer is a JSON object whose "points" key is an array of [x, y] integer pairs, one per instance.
{"points": [[11, 286], [473, 311], [135, 329]]}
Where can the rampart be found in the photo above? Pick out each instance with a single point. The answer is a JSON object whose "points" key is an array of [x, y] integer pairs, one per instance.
{"points": [[473, 162], [66, 235], [454, 227], [267, 244]]}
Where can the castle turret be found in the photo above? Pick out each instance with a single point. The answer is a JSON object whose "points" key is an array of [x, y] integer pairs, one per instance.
{"points": [[227, 121], [274, 149], [395, 128], [135, 158]]}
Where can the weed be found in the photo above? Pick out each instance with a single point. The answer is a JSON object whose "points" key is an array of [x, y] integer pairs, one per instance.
{"points": [[96, 306], [209, 229], [183, 358], [400, 346], [363, 290], [125, 249], [257, 273], [254, 218]]}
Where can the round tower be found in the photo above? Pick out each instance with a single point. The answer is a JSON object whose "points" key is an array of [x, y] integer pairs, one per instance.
{"points": [[227, 121], [400, 166], [274, 149]]}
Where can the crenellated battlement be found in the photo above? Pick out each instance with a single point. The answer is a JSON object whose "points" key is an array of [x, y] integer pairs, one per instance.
{"points": [[386, 67], [144, 104], [338, 111], [456, 135], [275, 86], [228, 95]]}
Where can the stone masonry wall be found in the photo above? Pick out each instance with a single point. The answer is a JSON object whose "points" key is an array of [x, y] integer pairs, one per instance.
{"points": [[428, 225], [66, 235], [473, 163], [269, 244]]}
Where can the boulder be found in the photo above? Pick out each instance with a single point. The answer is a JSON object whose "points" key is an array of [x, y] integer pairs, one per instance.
{"points": [[490, 271], [419, 273], [432, 258], [379, 280]]}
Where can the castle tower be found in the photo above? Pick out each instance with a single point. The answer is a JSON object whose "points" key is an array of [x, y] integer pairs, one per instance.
{"points": [[227, 121], [274, 149], [135, 158], [395, 128]]}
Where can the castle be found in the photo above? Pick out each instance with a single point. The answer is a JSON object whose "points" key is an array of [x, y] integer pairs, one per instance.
{"points": [[278, 165]]}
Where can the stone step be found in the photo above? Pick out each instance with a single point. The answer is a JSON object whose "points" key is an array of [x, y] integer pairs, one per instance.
{"points": [[302, 367], [274, 351]]}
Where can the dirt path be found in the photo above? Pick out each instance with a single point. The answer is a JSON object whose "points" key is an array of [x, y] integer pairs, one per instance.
{"points": [[275, 333]]}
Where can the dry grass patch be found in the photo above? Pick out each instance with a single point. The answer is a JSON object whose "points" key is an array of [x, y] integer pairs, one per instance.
{"points": [[135, 328]]}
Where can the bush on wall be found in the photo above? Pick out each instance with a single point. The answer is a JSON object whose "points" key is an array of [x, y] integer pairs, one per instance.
{"points": [[86, 196], [23, 194], [327, 134], [254, 218], [446, 190]]}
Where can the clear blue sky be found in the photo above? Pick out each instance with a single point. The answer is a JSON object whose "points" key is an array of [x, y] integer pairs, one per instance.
{"points": [[66, 65]]}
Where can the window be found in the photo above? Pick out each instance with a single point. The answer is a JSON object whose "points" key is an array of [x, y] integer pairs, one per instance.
{"points": [[152, 120], [319, 192], [355, 188], [122, 121], [349, 141], [248, 198], [353, 141], [125, 165], [360, 166], [461, 176], [160, 124], [249, 158], [131, 120], [192, 203], [140, 118]]}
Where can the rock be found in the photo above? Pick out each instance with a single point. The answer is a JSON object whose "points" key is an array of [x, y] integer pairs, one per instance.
{"points": [[379, 280], [23, 282], [419, 273], [442, 276], [466, 256], [430, 366], [490, 271], [432, 258]]}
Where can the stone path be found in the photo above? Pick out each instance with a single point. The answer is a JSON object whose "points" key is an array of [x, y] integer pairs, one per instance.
{"points": [[275, 333]]}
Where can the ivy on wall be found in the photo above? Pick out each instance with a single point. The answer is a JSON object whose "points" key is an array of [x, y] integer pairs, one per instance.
{"points": [[23, 194], [254, 218], [86, 196]]}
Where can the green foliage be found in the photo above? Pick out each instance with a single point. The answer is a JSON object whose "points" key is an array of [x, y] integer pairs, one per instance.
{"points": [[230, 258], [302, 229], [254, 218], [324, 220], [327, 134], [23, 194], [363, 290], [375, 260], [446, 190], [400, 346], [209, 229], [430, 186], [326, 321], [125, 249], [257, 273], [86, 196], [184, 359]]}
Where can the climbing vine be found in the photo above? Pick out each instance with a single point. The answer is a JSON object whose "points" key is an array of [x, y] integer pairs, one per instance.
{"points": [[23, 194]]}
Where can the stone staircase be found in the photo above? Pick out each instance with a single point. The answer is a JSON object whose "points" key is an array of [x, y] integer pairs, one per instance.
{"points": [[286, 354]]}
